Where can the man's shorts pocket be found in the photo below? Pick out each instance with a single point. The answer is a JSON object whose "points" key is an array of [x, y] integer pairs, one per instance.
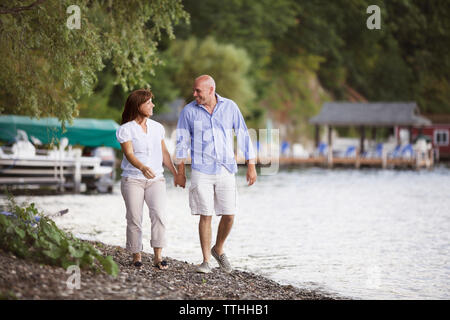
{"points": [[201, 199], [193, 199]]}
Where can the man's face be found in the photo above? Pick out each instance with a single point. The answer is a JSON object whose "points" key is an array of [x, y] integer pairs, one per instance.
{"points": [[201, 92]]}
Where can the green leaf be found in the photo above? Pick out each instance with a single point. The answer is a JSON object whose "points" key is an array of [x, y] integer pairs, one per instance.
{"points": [[65, 263], [51, 232], [109, 265], [4, 220], [53, 254], [76, 253], [10, 229], [87, 260], [19, 232]]}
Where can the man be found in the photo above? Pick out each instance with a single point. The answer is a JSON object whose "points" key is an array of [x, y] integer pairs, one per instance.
{"points": [[206, 127]]}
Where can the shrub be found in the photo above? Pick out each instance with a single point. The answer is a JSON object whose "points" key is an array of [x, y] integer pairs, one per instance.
{"points": [[30, 234]]}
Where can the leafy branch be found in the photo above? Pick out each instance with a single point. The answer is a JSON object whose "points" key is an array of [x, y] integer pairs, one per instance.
{"points": [[14, 10], [30, 234]]}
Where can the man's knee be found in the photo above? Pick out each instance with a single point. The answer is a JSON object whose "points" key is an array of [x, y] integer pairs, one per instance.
{"points": [[205, 219], [227, 218]]}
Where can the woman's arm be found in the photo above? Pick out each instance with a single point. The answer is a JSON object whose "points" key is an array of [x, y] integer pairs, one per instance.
{"points": [[167, 161], [127, 149]]}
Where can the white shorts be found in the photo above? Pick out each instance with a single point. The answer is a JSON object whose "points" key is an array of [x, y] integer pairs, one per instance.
{"points": [[209, 194]]}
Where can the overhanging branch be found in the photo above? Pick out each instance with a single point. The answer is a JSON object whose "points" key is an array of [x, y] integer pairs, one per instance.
{"points": [[14, 10]]}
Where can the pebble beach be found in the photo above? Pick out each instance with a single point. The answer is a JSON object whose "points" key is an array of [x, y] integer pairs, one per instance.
{"points": [[28, 280]]}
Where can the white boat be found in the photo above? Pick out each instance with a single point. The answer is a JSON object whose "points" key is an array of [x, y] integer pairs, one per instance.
{"points": [[24, 166]]}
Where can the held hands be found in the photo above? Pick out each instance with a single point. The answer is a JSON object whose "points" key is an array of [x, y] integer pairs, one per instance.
{"points": [[179, 180], [147, 172]]}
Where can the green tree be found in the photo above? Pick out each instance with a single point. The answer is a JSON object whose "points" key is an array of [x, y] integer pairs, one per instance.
{"points": [[108, 99], [296, 95], [253, 25], [249, 24], [406, 60], [422, 30], [46, 67], [228, 65]]}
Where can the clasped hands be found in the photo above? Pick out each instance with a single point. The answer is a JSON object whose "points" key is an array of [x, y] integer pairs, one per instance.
{"points": [[178, 179]]}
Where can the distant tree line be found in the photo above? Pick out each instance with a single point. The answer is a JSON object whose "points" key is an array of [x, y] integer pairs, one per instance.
{"points": [[281, 58]]}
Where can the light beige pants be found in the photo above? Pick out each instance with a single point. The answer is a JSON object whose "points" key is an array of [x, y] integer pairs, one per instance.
{"points": [[153, 192]]}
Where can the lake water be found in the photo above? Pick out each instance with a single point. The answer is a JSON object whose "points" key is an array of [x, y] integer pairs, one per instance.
{"points": [[364, 234]]}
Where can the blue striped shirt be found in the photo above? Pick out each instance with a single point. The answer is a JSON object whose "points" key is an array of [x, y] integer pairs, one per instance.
{"points": [[210, 138]]}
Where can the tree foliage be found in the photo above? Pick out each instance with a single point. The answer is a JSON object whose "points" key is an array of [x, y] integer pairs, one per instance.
{"points": [[227, 64], [46, 67], [257, 50], [405, 60], [249, 24], [296, 95]]}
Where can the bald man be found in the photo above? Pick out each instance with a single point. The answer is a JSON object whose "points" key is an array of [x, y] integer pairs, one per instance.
{"points": [[206, 127]]}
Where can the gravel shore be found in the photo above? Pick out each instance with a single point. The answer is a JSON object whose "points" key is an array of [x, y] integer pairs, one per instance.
{"points": [[26, 279]]}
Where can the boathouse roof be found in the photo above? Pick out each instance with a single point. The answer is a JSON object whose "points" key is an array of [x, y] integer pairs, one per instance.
{"points": [[382, 114], [83, 131]]}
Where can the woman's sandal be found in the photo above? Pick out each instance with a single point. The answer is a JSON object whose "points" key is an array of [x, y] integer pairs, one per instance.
{"points": [[161, 265], [137, 262]]}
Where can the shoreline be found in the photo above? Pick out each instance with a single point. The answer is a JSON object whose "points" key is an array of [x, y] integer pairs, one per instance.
{"points": [[29, 280]]}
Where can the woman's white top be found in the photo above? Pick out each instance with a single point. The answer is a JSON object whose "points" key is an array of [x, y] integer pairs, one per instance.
{"points": [[146, 147]]}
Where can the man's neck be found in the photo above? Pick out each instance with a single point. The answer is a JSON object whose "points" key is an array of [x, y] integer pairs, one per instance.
{"points": [[212, 104]]}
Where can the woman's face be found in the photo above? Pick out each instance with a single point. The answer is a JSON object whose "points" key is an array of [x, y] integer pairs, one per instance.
{"points": [[146, 109]]}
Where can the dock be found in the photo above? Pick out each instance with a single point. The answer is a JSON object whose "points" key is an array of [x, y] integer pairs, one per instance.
{"points": [[417, 162]]}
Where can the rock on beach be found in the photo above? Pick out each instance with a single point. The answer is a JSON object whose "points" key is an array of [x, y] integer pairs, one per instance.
{"points": [[27, 279]]}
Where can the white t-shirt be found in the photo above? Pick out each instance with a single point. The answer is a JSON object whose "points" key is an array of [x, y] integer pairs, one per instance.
{"points": [[146, 147]]}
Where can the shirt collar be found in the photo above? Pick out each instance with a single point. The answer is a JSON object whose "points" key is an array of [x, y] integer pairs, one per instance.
{"points": [[218, 97]]}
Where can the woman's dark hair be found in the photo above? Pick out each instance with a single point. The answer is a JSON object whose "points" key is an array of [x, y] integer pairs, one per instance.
{"points": [[134, 101]]}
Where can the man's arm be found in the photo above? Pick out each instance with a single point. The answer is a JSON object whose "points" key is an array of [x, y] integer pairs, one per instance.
{"points": [[245, 144], [251, 171], [183, 141]]}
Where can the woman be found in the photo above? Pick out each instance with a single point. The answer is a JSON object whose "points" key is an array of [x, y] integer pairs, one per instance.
{"points": [[144, 150]]}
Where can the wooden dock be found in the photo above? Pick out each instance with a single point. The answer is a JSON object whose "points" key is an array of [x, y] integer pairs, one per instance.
{"points": [[30, 180], [60, 172], [356, 162]]}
